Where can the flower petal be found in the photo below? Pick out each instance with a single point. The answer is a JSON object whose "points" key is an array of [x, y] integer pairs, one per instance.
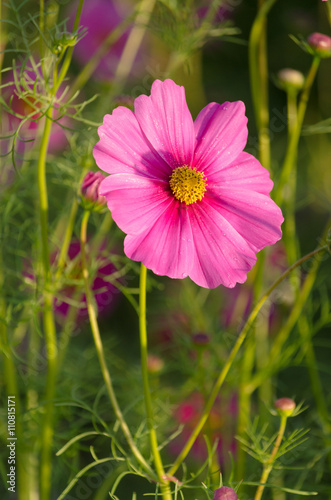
{"points": [[221, 134], [246, 172], [123, 147], [167, 247], [222, 256], [255, 216], [167, 123], [135, 201]]}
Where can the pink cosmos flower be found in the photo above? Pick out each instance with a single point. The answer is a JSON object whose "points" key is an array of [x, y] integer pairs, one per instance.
{"points": [[191, 202]]}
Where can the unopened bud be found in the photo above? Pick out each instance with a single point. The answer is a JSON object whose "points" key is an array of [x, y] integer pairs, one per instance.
{"points": [[91, 199], [320, 43], [200, 339], [290, 79], [285, 406], [154, 363], [64, 40], [225, 493]]}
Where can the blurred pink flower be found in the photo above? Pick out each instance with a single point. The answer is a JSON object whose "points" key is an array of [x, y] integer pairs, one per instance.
{"points": [[225, 493], [219, 427], [222, 13], [106, 295], [191, 202], [28, 99], [100, 18]]}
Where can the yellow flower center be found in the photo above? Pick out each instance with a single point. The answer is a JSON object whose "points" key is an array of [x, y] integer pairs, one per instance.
{"points": [[187, 184]]}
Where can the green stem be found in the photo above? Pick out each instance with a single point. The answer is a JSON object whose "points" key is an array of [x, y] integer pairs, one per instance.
{"points": [[228, 364], [134, 40], [68, 56], [91, 66], [42, 31], [261, 333], [10, 379], [48, 321], [289, 224], [328, 11], [164, 483], [264, 136], [259, 79], [66, 240], [291, 152], [257, 347], [47, 427], [315, 382], [296, 311], [244, 401], [100, 351], [43, 198], [267, 468]]}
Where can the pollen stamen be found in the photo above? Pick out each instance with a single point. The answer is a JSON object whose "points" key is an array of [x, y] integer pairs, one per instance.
{"points": [[187, 184]]}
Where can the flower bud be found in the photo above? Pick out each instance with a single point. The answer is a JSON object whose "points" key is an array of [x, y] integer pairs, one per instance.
{"points": [[154, 363], [320, 44], [200, 339], [62, 41], [225, 493], [91, 198], [285, 406], [290, 79]]}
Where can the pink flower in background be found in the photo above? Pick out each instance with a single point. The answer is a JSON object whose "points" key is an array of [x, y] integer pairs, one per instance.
{"points": [[219, 427], [191, 202], [225, 493], [222, 14], [106, 295], [29, 99], [100, 18], [71, 292]]}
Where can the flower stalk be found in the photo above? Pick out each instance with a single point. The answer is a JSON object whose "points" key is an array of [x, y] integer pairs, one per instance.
{"points": [[164, 484], [68, 56], [10, 378], [48, 321], [88, 70], [135, 38], [99, 348], [48, 315], [259, 79], [291, 152], [268, 466]]}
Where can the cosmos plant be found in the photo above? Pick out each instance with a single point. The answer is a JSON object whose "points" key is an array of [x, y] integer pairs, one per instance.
{"points": [[191, 202], [110, 190]]}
